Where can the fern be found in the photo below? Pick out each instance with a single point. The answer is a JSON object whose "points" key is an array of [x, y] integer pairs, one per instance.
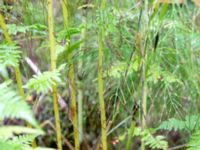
{"points": [[66, 33], [194, 142], [20, 143], [9, 55], [190, 123], [157, 142], [13, 106], [172, 124], [44, 81]]}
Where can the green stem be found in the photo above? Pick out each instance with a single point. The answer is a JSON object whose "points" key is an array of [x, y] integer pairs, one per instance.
{"points": [[100, 83], [71, 79], [144, 72], [130, 135], [53, 67], [80, 82]]}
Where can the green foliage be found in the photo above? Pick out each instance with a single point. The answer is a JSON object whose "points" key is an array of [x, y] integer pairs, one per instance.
{"points": [[189, 123], [66, 33], [194, 142], [14, 106], [9, 55], [172, 124], [155, 142], [43, 82], [13, 29]]}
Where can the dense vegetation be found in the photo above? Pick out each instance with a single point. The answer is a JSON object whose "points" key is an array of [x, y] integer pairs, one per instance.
{"points": [[97, 74]]}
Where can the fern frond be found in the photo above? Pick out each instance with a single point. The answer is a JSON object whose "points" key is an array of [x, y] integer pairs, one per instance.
{"points": [[194, 142], [22, 142], [68, 32], [44, 81], [7, 132], [13, 106], [155, 142], [9, 55], [190, 123], [172, 124]]}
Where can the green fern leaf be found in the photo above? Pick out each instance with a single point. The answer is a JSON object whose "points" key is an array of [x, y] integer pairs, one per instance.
{"points": [[190, 123], [9, 55], [194, 143], [68, 32], [157, 142], [172, 124], [13, 106], [43, 82], [7, 132]]}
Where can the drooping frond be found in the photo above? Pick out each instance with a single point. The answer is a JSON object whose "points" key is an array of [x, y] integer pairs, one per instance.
{"points": [[13, 106]]}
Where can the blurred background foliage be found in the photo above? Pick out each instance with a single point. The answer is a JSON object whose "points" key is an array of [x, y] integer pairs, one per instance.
{"points": [[171, 37]]}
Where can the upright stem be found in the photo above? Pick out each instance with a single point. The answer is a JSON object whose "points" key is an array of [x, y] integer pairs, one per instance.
{"points": [[71, 79], [130, 135], [100, 83], [144, 97], [143, 73], [80, 82], [53, 67]]}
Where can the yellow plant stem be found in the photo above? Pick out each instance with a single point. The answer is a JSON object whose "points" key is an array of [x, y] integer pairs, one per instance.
{"points": [[73, 103], [101, 92], [100, 83], [53, 67], [71, 76], [17, 70]]}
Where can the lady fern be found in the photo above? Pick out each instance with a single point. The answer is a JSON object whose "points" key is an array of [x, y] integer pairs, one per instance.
{"points": [[9, 55], [43, 82], [13, 106]]}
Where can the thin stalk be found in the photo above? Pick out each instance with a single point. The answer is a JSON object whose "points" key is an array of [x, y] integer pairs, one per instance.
{"points": [[100, 83], [71, 79], [130, 135], [144, 98], [16, 69], [80, 82], [53, 67], [143, 72]]}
